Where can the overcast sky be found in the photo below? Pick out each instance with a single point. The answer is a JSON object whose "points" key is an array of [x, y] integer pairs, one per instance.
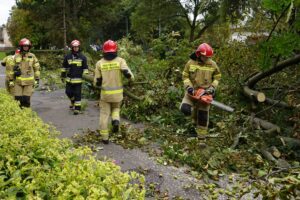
{"points": [[5, 7]]}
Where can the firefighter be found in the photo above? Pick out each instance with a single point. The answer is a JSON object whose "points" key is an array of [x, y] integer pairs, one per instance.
{"points": [[26, 73], [199, 72], [8, 63], [108, 76], [73, 67]]}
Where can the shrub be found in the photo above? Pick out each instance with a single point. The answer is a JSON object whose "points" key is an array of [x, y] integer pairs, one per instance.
{"points": [[34, 164]]}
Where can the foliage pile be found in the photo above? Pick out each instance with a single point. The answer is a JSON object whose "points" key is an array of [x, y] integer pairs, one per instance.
{"points": [[36, 165]]}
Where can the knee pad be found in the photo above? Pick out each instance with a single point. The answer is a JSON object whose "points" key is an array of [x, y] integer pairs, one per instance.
{"points": [[202, 118], [186, 109]]}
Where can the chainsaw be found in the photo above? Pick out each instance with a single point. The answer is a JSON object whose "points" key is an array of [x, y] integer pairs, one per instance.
{"points": [[202, 96]]}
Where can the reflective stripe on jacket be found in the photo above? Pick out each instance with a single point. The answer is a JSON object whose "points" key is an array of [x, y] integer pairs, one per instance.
{"points": [[111, 74], [203, 75], [29, 66], [74, 65]]}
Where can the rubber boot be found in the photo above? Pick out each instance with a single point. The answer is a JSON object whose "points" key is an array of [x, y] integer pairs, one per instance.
{"points": [[71, 106], [76, 112]]}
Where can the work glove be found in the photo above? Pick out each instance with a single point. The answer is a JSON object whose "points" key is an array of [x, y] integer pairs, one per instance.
{"points": [[126, 73], [11, 84], [210, 90], [37, 83], [99, 82], [17, 71], [190, 91], [3, 64]]}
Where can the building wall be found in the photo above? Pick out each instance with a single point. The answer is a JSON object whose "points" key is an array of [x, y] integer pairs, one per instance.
{"points": [[4, 39]]}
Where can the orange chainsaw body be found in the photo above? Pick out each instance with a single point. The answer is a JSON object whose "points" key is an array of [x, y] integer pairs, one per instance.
{"points": [[202, 96]]}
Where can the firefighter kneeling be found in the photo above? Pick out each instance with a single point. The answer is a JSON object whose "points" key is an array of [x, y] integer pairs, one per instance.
{"points": [[108, 76], [199, 72]]}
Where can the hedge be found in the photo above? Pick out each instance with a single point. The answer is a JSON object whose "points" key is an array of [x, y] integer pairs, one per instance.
{"points": [[35, 164]]}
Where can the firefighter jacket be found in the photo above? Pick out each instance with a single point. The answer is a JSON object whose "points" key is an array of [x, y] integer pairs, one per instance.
{"points": [[110, 72], [29, 66], [74, 65], [201, 75], [9, 67]]}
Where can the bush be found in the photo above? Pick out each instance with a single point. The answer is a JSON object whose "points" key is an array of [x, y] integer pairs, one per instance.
{"points": [[34, 164]]}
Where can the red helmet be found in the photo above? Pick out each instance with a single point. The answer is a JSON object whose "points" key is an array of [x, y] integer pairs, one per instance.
{"points": [[18, 51], [110, 47], [205, 50], [25, 42], [75, 43]]}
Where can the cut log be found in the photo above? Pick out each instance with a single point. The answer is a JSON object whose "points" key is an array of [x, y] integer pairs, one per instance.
{"points": [[268, 155], [268, 126], [254, 95], [293, 143]]}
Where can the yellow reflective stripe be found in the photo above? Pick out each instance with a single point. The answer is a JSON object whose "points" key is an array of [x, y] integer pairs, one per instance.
{"points": [[85, 71], [25, 78], [115, 114], [77, 103], [77, 62], [218, 76], [195, 67], [63, 69], [74, 80], [110, 66], [112, 91], [104, 134]]}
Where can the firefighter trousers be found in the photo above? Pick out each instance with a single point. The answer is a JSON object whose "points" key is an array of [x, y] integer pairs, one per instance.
{"points": [[23, 94], [198, 111], [73, 91], [107, 110]]}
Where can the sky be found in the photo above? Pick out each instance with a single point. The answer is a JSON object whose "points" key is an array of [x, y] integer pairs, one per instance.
{"points": [[5, 7]]}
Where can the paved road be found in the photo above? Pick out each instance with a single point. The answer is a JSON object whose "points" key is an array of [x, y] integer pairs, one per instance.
{"points": [[52, 107]]}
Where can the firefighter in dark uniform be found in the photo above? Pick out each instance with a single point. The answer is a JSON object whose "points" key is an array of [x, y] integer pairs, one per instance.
{"points": [[74, 66]]}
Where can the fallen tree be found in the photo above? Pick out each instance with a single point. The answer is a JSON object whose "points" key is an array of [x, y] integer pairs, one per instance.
{"points": [[251, 82]]}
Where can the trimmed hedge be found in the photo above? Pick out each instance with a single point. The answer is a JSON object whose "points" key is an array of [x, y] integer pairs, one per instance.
{"points": [[35, 164]]}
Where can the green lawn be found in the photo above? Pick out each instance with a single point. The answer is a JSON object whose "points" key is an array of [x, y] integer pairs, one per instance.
{"points": [[2, 55]]}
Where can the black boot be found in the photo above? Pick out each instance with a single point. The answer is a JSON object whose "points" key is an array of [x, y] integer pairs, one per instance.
{"points": [[105, 141], [115, 126]]}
